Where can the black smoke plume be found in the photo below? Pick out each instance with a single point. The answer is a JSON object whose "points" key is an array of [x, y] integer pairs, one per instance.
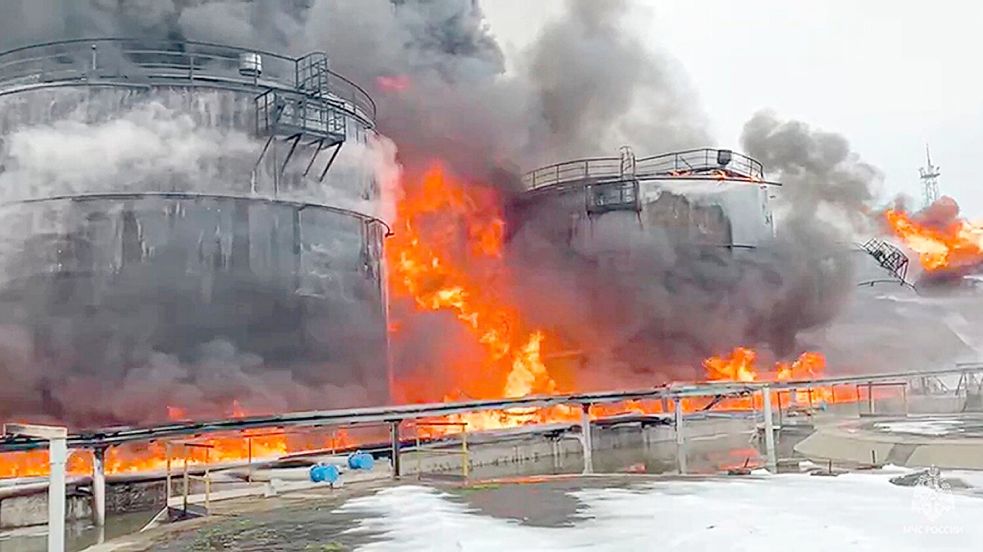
{"points": [[587, 85]]}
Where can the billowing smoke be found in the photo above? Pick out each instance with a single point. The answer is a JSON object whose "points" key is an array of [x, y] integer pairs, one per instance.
{"points": [[65, 142], [823, 177], [267, 23], [138, 305], [600, 86], [642, 302], [217, 381], [829, 196], [587, 85], [941, 214], [641, 297]]}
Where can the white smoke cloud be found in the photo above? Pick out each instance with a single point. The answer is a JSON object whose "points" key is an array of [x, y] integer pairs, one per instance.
{"points": [[388, 174], [150, 140], [162, 142]]}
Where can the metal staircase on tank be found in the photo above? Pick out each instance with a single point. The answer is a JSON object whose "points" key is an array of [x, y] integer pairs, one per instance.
{"points": [[889, 257], [306, 114], [621, 194]]}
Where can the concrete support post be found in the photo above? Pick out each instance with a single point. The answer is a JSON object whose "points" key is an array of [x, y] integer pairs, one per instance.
{"points": [[249, 445], [587, 438], [680, 437], [99, 486], [772, 459], [57, 438], [781, 419], [860, 408], [187, 481], [904, 397], [168, 490], [58, 454], [394, 440]]}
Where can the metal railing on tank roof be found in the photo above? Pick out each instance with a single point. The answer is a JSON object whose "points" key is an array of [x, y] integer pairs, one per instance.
{"points": [[148, 62], [696, 162]]}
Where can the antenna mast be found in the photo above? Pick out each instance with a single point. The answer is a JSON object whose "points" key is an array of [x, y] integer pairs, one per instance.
{"points": [[929, 175]]}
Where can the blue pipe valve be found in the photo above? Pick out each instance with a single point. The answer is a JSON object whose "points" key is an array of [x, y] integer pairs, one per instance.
{"points": [[359, 460], [324, 473]]}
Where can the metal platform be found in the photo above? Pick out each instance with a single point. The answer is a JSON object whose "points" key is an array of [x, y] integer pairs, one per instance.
{"points": [[699, 164]]}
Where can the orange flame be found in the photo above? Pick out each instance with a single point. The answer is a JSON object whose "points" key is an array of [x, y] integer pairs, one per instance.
{"points": [[149, 457], [740, 366], [959, 244], [446, 255], [444, 231], [176, 413]]}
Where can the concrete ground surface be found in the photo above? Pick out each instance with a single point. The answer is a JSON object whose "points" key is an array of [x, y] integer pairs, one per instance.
{"points": [[953, 441]]}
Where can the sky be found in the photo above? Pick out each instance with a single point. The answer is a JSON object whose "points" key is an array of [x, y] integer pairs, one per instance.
{"points": [[891, 76]]}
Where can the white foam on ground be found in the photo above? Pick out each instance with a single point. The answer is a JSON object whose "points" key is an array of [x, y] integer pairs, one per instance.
{"points": [[857, 512], [933, 428], [972, 478]]}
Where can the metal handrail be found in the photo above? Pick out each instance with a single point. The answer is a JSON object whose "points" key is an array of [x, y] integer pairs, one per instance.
{"points": [[134, 62], [674, 164], [395, 413]]}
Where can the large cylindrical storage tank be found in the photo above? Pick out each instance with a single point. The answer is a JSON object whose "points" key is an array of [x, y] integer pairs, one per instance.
{"points": [[195, 219], [641, 257], [704, 197]]}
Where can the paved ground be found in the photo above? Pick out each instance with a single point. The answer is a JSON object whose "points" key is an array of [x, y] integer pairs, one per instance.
{"points": [[534, 502], [314, 522], [307, 521], [936, 425], [951, 441], [300, 521], [311, 526]]}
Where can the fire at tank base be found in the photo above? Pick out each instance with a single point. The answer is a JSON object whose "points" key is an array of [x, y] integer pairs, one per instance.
{"points": [[714, 441]]}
